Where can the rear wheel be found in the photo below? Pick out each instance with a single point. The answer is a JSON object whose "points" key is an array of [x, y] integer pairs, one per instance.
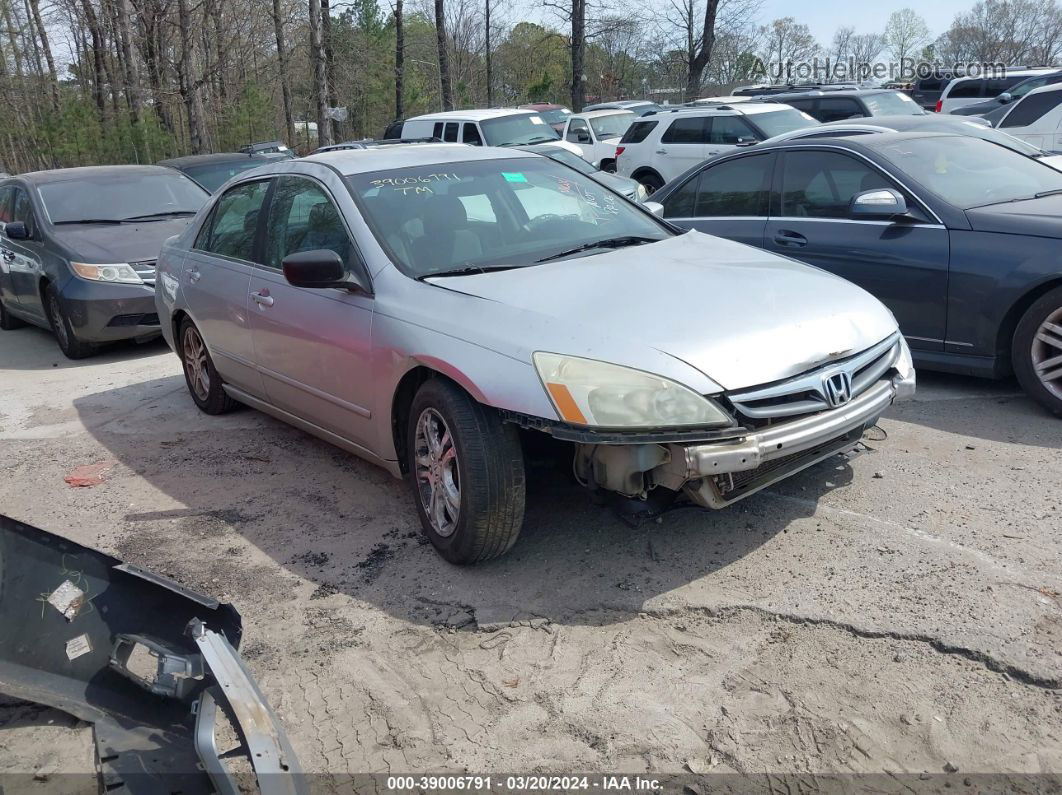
{"points": [[204, 383], [650, 181], [69, 344], [1037, 351], [8, 321], [467, 472]]}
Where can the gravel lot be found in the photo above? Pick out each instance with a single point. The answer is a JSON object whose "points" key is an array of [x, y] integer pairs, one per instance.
{"points": [[899, 611]]}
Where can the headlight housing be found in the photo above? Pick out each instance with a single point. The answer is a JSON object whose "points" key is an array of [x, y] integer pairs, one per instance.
{"points": [[593, 393], [640, 193], [118, 273]]}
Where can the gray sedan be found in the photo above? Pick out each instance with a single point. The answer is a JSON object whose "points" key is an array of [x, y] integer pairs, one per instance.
{"points": [[427, 307]]}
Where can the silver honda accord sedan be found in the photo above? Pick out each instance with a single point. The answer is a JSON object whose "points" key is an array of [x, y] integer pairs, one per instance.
{"points": [[429, 306]]}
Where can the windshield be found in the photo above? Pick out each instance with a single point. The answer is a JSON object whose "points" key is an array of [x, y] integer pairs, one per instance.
{"points": [[527, 128], [643, 108], [555, 116], [491, 213], [970, 172], [1026, 86], [893, 104], [213, 175], [776, 122], [119, 196], [611, 126]]}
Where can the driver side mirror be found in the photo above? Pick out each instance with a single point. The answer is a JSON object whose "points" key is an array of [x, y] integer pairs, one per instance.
{"points": [[1005, 97], [17, 230], [319, 269], [656, 208], [880, 203], [582, 136]]}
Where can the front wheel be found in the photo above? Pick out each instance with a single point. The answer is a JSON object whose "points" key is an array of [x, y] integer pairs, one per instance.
{"points": [[651, 182], [69, 344], [467, 472], [1037, 351]]}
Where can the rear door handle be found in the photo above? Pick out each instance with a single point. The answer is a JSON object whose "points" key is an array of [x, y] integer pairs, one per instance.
{"points": [[262, 298], [194, 275], [661, 151], [789, 238]]}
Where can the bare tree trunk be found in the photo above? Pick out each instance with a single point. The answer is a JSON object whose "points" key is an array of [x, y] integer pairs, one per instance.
{"points": [[704, 50], [400, 65], [487, 53], [189, 88], [98, 87], [578, 47], [132, 71], [320, 75], [445, 83], [330, 66], [282, 62], [214, 8], [35, 16]]}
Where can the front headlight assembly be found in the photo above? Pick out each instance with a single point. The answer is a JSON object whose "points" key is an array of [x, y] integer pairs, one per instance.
{"points": [[592, 393], [118, 273]]}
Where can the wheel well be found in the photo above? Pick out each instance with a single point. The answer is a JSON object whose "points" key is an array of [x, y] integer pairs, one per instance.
{"points": [[42, 285], [646, 172], [175, 321], [1013, 317], [401, 404], [606, 162]]}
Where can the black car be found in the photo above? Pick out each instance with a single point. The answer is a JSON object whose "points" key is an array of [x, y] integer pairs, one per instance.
{"points": [[958, 236], [926, 90], [213, 171], [855, 103], [268, 148], [78, 250], [995, 108]]}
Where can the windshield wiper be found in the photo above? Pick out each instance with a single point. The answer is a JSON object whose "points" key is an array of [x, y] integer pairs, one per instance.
{"points": [[467, 269], [90, 221], [164, 214], [609, 242], [534, 141], [1054, 192]]}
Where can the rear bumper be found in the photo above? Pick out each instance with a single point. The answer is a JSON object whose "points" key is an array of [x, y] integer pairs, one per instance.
{"points": [[110, 312]]}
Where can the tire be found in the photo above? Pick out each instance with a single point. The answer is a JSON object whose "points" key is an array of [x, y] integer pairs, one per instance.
{"points": [[651, 181], [69, 344], [200, 376], [8, 322], [478, 474], [1036, 352]]}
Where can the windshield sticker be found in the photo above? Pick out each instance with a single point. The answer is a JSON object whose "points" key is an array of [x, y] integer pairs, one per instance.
{"points": [[513, 176], [537, 120]]}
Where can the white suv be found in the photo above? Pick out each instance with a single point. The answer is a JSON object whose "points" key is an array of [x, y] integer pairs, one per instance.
{"points": [[490, 127], [659, 146], [1036, 118]]}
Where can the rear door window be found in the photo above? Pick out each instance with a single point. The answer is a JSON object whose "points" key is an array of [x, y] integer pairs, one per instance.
{"points": [[736, 187], [687, 131], [966, 89], [838, 109], [233, 224], [638, 132]]}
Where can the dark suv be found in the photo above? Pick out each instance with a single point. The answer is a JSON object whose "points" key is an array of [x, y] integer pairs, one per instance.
{"points": [[927, 90], [78, 250], [827, 106]]}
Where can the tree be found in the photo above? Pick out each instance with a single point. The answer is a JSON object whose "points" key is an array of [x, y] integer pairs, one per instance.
{"points": [[400, 71], [905, 33], [320, 74], [445, 82], [282, 69], [787, 44]]}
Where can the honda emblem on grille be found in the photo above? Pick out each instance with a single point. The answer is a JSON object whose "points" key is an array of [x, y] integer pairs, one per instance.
{"points": [[838, 388]]}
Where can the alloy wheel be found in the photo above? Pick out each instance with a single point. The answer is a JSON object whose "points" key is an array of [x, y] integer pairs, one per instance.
{"points": [[438, 481], [195, 363], [1047, 353]]}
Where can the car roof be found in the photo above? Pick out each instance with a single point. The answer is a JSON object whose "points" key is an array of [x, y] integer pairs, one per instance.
{"points": [[870, 142], [834, 92], [217, 157], [475, 114], [1023, 72], [596, 114], [746, 108], [362, 161], [542, 106], [82, 172]]}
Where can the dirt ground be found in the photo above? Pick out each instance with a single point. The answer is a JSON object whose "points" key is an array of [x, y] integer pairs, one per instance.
{"points": [[896, 612]]}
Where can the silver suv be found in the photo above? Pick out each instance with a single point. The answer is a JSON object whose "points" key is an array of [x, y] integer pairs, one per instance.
{"points": [[427, 307]]}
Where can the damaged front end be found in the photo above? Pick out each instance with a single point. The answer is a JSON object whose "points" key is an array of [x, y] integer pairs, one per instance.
{"points": [[150, 664]]}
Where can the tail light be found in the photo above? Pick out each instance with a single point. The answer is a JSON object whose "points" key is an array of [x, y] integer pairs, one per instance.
{"points": [[619, 150], [940, 105]]}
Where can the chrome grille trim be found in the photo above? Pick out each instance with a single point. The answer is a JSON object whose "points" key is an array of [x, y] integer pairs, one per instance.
{"points": [[806, 393], [145, 269]]}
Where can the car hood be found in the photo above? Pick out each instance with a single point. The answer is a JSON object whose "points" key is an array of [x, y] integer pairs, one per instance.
{"points": [[739, 315], [134, 242], [628, 187], [1041, 217]]}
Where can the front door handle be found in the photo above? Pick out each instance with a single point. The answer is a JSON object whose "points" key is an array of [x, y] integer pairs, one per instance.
{"points": [[262, 298], [790, 239], [9, 255]]}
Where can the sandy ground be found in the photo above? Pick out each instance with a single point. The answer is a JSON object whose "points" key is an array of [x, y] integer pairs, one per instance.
{"points": [[898, 612]]}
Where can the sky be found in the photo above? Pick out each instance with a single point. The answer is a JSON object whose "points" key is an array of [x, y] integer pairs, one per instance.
{"points": [[825, 16]]}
